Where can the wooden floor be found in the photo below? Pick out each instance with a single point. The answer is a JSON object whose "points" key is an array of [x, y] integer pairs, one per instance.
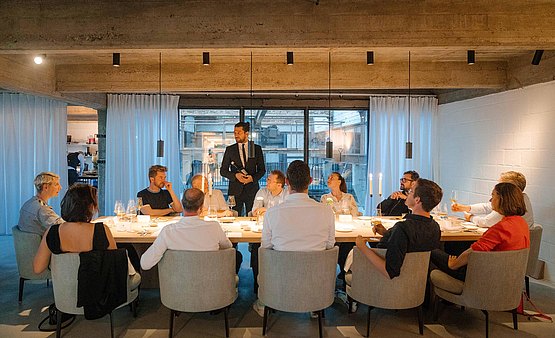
{"points": [[153, 319]]}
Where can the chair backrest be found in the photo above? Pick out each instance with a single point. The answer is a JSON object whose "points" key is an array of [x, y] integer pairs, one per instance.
{"points": [[494, 279], [535, 241], [197, 281], [65, 268], [26, 246], [295, 281], [371, 287]]}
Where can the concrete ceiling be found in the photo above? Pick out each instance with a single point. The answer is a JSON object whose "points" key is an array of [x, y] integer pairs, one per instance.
{"points": [[79, 37]]}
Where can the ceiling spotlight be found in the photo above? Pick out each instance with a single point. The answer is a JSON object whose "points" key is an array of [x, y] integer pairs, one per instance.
{"points": [[206, 58], [115, 59], [369, 58], [289, 58], [537, 57], [39, 59], [471, 57]]}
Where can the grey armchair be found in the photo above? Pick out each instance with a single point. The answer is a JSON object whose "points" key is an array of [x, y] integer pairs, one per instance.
{"points": [[367, 285], [536, 231], [503, 269], [26, 245], [197, 281], [65, 268], [294, 281]]}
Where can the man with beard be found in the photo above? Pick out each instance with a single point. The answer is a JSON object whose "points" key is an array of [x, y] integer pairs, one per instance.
{"points": [[156, 200], [394, 205]]}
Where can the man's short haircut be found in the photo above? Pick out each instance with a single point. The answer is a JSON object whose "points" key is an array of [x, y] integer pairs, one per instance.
{"points": [[192, 199], [511, 199], [79, 203], [152, 171], [413, 174], [429, 192], [298, 175], [195, 179], [245, 125], [515, 178], [280, 177], [43, 178]]}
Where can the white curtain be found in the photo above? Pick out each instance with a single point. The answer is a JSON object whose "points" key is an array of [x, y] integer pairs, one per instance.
{"points": [[387, 135], [32, 139], [132, 130]]}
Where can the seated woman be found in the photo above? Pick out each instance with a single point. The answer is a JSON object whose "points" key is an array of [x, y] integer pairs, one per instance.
{"points": [[341, 201], [78, 234], [510, 233]]}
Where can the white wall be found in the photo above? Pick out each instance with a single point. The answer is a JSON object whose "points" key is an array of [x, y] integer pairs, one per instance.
{"points": [[513, 130]]}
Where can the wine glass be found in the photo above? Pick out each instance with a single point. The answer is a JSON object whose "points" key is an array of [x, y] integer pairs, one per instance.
{"points": [[231, 202], [454, 196], [118, 209], [139, 205]]}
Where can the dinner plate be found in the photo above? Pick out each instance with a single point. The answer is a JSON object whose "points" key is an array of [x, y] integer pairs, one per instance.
{"points": [[365, 218], [227, 219], [344, 229], [470, 226]]}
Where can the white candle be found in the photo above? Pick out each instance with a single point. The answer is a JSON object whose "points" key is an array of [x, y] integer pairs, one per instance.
{"points": [[370, 190], [210, 184], [202, 183], [380, 184]]}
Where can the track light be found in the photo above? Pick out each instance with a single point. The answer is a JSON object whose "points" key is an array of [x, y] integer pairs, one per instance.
{"points": [[537, 57], [369, 58], [39, 59], [206, 58], [289, 58], [471, 57], [115, 59]]}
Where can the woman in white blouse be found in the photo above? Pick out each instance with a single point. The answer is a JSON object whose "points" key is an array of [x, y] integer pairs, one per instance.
{"points": [[341, 201]]}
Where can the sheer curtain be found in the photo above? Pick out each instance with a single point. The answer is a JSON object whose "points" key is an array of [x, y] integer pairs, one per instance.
{"points": [[387, 135], [132, 129], [32, 140]]}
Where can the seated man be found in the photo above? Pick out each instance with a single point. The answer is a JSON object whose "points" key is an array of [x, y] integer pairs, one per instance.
{"points": [[36, 215], [484, 216], [217, 199], [272, 195], [395, 205], [156, 200], [417, 233], [299, 223], [190, 233]]}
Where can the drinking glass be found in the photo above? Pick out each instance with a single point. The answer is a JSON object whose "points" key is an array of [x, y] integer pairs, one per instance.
{"points": [[131, 212], [231, 202], [213, 211], [118, 209], [139, 205], [454, 196]]}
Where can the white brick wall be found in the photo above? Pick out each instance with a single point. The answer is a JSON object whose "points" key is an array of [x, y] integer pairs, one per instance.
{"points": [[513, 130]]}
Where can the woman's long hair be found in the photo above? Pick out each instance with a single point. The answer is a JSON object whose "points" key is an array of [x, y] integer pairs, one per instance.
{"points": [[511, 200], [343, 184], [79, 203]]}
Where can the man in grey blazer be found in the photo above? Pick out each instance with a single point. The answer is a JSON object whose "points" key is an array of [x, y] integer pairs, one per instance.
{"points": [[243, 172]]}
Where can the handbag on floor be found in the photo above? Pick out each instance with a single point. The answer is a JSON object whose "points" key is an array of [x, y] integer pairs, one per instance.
{"points": [[52, 319], [537, 313]]}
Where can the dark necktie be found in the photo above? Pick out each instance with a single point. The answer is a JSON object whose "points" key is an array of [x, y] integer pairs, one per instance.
{"points": [[244, 154]]}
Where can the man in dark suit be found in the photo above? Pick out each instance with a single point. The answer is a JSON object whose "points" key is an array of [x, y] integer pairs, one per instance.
{"points": [[242, 172]]}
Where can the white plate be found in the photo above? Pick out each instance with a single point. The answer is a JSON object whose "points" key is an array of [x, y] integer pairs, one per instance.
{"points": [[344, 229], [227, 219], [365, 218], [470, 226]]}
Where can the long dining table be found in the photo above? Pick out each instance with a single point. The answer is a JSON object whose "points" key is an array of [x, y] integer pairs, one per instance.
{"points": [[246, 229]]}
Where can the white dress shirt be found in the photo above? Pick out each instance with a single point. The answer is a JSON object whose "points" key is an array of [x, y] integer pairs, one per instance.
{"points": [[189, 233], [268, 200], [299, 224], [217, 199], [485, 217], [347, 202]]}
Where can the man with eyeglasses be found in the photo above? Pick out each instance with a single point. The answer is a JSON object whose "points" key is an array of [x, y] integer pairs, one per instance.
{"points": [[395, 205]]}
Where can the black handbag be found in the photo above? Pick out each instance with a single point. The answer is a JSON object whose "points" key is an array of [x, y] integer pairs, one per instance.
{"points": [[52, 319]]}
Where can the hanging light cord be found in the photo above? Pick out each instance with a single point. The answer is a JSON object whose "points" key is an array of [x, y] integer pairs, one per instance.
{"points": [[409, 101], [251, 88], [160, 98], [329, 95]]}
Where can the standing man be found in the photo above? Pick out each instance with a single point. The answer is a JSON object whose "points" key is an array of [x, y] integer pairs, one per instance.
{"points": [[242, 172], [189, 233], [395, 205], [156, 200], [36, 215]]}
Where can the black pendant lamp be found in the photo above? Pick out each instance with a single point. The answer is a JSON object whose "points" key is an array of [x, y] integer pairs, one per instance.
{"points": [[408, 145], [252, 152], [329, 143], [160, 143]]}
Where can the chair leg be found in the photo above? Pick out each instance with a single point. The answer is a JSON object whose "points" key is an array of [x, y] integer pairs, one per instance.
{"points": [[323, 313], [58, 324], [320, 325], [420, 320], [47, 282], [368, 322], [350, 302], [21, 285], [111, 325], [527, 282], [515, 320], [172, 314], [134, 308], [265, 319], [436, 307], [487, 322], [226, 322]]}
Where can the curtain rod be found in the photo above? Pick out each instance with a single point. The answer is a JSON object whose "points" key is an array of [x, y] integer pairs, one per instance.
{"points": [[298, 94]]}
